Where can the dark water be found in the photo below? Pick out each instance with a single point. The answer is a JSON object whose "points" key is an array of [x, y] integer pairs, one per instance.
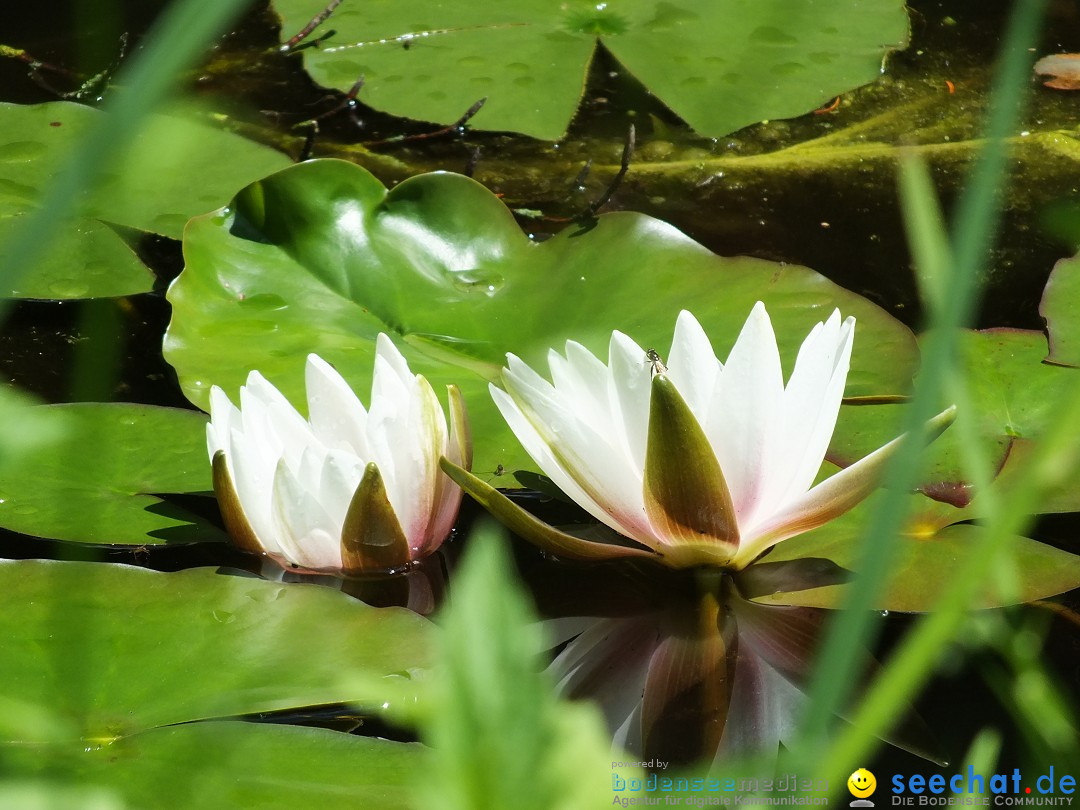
{"points": [[775, 216]]}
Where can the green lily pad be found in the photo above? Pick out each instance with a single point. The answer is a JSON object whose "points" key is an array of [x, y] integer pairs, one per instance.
{"points": [[320, 258], [97, 484], [25, 429], [719, 65], [89, 259], [116, 650], [1013, 394], [932, 555], [231, 764], [1060, 306], [176, 168]]}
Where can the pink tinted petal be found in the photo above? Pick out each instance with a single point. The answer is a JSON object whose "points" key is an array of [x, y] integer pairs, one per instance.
{"points": [[744, 412], [593, 458], [811, 405], [692, 365]]}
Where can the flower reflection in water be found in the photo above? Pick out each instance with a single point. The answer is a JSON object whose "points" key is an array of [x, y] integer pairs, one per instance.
{"points": [[701, 678]]}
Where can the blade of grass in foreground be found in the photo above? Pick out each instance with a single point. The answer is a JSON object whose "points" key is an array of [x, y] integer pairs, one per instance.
{"points": [[172, 46], [978, 213]]}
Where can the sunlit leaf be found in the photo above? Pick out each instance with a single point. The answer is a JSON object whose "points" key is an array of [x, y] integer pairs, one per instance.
{"points": [[119, 649], [99, 483], [720, 65], [933, 552], [231, 764], [176, 168]]}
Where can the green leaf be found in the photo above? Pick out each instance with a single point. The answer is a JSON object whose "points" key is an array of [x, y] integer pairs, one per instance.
{"points": [[231, 764], [931, 556], [321, 258], [496, 724], [719, 65], [1060, 307], [24, 429], [1011, 389], [117, 649], [175, 168], [97, 484]]}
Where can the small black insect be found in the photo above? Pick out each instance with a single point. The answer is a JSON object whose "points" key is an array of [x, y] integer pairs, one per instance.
{"points": [[653, 357]]}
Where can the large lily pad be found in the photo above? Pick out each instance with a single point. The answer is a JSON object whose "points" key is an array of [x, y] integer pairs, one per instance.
{"points": [[175, 169], [1060, 307], [719, 64], [932, 554], [98, 483], [231, 765], [1013, 395], [320, 258], [115, 649]]}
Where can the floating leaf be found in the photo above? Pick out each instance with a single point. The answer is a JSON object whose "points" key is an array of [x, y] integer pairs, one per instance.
{"points": [[230, 764], [1060, 306], [97, 484], [118, 649], [175, 169], [25, 429], [320, 258], [1013, 394], [931, 556], [719, 65]]}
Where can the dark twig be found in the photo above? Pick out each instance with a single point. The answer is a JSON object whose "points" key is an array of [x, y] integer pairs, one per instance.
{"points": [[456, 128], [616, 181], [309, 141], [35, 63], [347, 103], [582, 176], [313, 23], [470, 165], [588, 213]]}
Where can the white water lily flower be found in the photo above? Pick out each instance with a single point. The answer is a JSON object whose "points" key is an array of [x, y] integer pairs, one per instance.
{"points": [[348, 490], [699, 462]]}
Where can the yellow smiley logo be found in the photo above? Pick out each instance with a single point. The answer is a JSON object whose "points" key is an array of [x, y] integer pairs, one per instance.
{"points": [[861, 783]]}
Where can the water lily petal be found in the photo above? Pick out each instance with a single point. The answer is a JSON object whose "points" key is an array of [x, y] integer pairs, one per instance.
{"points": [[629, 392], [307, 538], [338, 479], [832, 497], [746, 405], [447, 493], [811, 404], [692, 365], [274, 419], [224, 417], [601, 468], [338, 418], [685, 494], [252, 478]]}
